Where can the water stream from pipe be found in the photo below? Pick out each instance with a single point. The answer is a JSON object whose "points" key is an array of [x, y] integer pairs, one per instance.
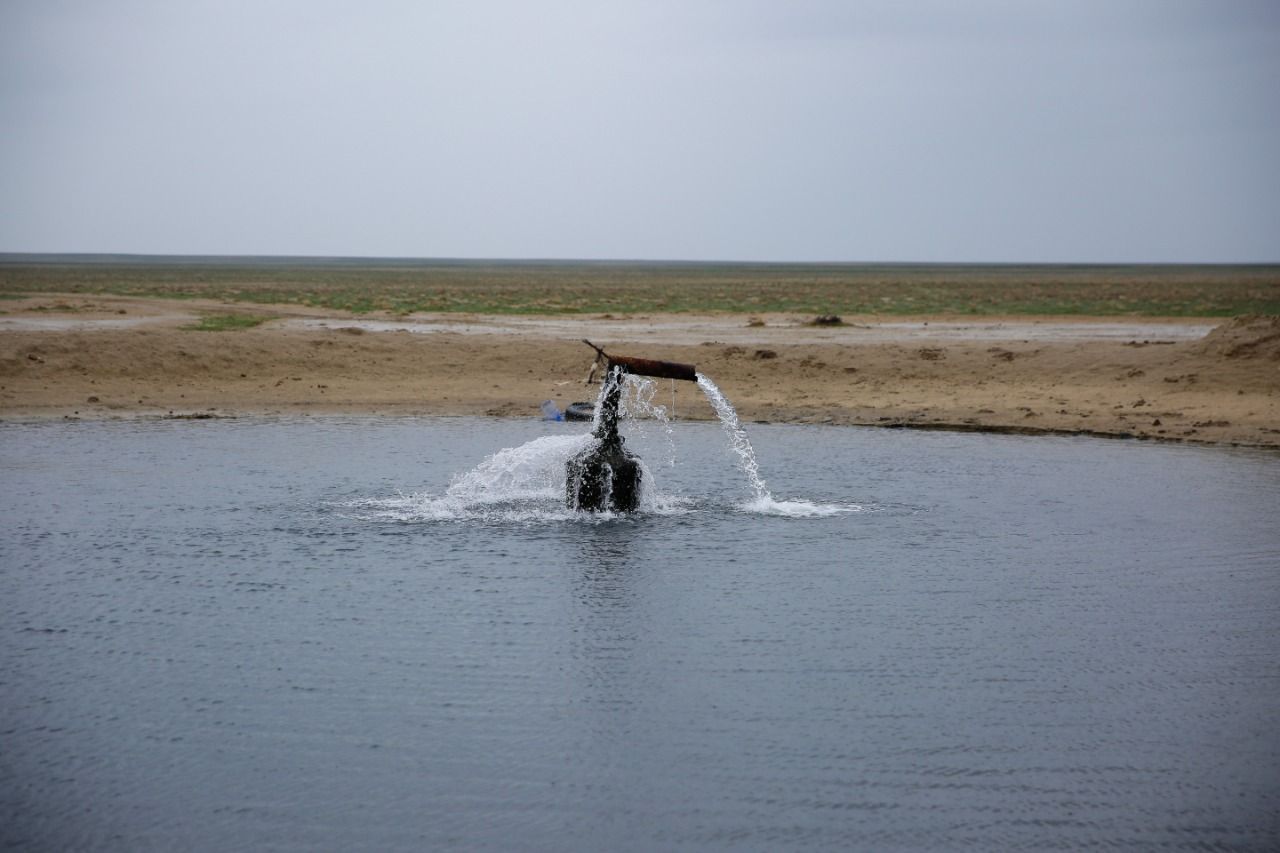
{"points": [[762, 500], [738, 440]]}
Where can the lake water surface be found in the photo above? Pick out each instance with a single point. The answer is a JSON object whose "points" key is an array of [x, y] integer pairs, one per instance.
{"points": [[295, 634]]}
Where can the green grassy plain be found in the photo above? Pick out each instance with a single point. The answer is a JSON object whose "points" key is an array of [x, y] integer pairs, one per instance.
{"points": [[577, 287]]}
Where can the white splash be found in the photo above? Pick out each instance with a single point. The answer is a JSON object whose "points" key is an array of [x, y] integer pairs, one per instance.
{"points": [[532, 471], [526, 484], [522, 483], [516, 484], [768, 505]]}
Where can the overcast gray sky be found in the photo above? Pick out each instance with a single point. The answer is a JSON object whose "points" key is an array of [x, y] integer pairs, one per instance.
{"points": [[990, 130]]}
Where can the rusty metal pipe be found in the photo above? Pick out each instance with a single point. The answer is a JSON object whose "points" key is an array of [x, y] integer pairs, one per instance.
{"points": [[648, 366]]}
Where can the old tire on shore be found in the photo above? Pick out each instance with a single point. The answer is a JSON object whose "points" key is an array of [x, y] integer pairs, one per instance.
{"points": [[580, 412]]}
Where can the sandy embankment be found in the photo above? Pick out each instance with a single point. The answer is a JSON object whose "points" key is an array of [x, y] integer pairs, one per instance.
{"points": [[101, 357]]}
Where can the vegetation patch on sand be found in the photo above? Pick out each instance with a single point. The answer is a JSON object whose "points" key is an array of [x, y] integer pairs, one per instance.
{"points": [[583, 287], [226, 323]]}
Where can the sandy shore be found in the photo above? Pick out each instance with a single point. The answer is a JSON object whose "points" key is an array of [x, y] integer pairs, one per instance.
{"points": [[1183, 380]]}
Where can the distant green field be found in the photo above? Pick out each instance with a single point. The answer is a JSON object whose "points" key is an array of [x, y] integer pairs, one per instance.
{"points": [[566, 287]]}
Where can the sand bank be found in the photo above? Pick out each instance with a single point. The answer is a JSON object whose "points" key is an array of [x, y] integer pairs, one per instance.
{"points": [[1186, 380]]}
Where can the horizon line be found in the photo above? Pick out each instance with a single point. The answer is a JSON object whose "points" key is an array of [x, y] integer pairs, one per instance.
{"points": [[10, 257]]}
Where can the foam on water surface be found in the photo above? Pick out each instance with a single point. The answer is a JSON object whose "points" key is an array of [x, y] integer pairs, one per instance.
{"points": [[768, 505]]}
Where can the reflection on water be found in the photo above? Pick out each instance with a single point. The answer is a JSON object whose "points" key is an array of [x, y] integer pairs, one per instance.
{"points": [[606, 552], [323, 634]]}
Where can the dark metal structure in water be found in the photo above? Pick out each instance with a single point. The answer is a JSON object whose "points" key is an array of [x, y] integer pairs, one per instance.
{"points": [[605, 476]]}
